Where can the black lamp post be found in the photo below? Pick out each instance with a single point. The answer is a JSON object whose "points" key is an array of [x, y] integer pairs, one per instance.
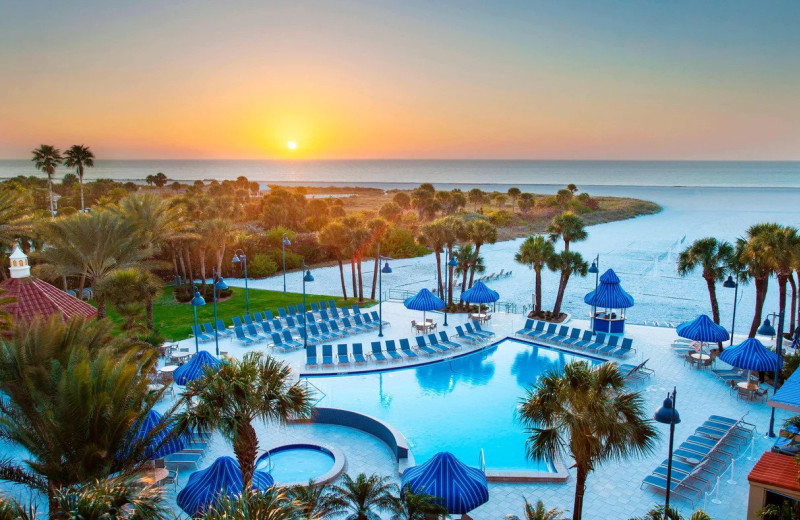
{"points": [[219, 284], [731, 284], [667, 414], [284, 243], [767, 329], [306, 278], [595, 270], [198, 301], [387, 270], [451, 263], [241, 257]]}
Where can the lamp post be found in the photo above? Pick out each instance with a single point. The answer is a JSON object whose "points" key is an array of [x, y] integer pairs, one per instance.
{"points": [[219, 284], [388, 270], [450, 264], [767, 329], [306, 278], [197, 301], [595, 270], [237, 258], [285, 243], [730, 283], [667, 414]]}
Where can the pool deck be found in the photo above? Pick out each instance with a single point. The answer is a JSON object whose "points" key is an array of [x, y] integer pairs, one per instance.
{"points": [[613, 490]]}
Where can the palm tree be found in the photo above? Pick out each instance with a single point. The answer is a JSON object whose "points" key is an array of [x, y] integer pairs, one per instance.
{"points": [[476, 197], [567, 263], [365, 496], [434, 236], [536, 252], [715, 257], [480, 232], [79, 157], [118, 499], [781, 247], [755, 258], [454, 232], [334, 237], [14, 217], [658, 513], [273, 504], [569, 227], [130, 288], [47, 158], [215, 233], [10, 509], [468, 261], [588, 413], [73, 392], [416, 506], [230, 399], [316, 501], [6, 320], [377, 228], [539, 512]]}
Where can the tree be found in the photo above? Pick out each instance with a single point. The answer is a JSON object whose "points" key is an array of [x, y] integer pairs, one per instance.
{"points": [[402, 199], [572, 188], [72, 395], [365, 496], [468, 261], [130, 291], [567, 263], [514, 194], [480, 232], [500, 200], [569, 227], [316, 501], [416, 506], [358, 237], [79, 157], [160, 180], [241, 391], [526, 203], [754, 257], [434, 236], [334, 238], [536, 252], [390, 211], [14, 217], [47, 158], [657, 513], [781, 245], [539, 512], [454, 231], [377, 228], [714, 257], [273, 504], [563, 197], [588, 413], [476, 197]]}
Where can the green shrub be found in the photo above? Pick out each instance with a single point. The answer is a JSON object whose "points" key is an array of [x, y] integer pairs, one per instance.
{"points": [[261, 266], [399, 243], [293, 260], [500, 218]]}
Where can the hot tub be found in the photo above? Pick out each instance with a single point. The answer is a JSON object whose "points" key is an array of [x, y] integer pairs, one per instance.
{"points": [[293, 464]]}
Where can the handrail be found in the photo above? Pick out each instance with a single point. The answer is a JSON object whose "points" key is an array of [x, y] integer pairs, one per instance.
{"points": [[483, 462]]}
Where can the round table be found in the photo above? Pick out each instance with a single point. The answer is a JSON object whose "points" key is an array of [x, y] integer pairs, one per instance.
{"points": [[154, 476], [168, 369], [744, 385], [700, 357]]}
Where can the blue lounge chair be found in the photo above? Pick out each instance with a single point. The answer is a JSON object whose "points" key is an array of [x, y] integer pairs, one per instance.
{"points": [[301, 319], [311, 355], [550, 334], [198, 333], [474, 332], [237, 322], [267, 329], [327, 355], [346, 312], [358, 327], [433, 341], [276, 324], [467, 337], [537, 331], [253, 332], [625, 348], [268, 315], [324, 331], [527, 328], [278, 342], [291, 323], [336, 330], [257, 317], [377, 352], [291, 310], [222, 330], [563, 333], [585, 341], [356, 310], [209, 329], [610, 346], [574, 337], [367, 320], [334, 311], [342, 357], [479, 330], [331, 304], [247, 320], [598, 342], [444, 340], [301, 309], [391, 350], [323, 305], [405, 348], [315, 332], [314, 307], [323, 314], [421, 346], [282, 313], [358, 353], [377, 318], [288, 340], [241, 336]]}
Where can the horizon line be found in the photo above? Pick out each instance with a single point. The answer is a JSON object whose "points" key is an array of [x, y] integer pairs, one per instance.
{"points": [[441, 159]]}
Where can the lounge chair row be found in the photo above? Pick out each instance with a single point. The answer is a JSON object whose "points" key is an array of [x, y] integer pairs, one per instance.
{"points": [[472, 335], [355, 353], [702, 457], [577, 338]]}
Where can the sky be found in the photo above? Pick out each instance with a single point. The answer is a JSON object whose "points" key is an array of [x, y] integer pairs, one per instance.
{"points": [[681, 80]]}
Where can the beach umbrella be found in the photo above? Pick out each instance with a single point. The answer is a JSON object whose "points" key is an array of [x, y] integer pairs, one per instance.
{"points": [[194, 368], [480, 293], [609, 294], [157, 448], [222, 477], [702, 329], [458, 487], [424, 301], [751, 354]]}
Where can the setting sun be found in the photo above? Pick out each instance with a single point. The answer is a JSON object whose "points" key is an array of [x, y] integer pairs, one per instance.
{"points": [[291, 145]]}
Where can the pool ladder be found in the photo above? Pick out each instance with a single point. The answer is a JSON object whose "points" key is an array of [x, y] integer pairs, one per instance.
{"points": [[483, 462]]}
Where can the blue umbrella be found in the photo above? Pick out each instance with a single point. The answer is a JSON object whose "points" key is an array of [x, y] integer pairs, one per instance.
{"points": [[194, 368], [459, 487], [222, 477], [609, 294], [480, 293], [751, 354], [424, 301], [157, 448], [702, 328]]}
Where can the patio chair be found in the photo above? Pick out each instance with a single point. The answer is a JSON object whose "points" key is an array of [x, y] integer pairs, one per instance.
{"points": [[237, 322], [470, 330], [276, 324], [537, 331], [377, 352], [574, 337], [199, 334], [358, 327], [360, 323], [611, 345], [336, 330], [434, 343], [563, 333], [444, 340], [288, 340], [258, 318], [358, 354], [526, 328], [314, 307], [356, 310], [209, 329], [598, 342], [367, 319], [421, 346], [391, 350], [290, 323], [331, 304], [467, 337], [311, 355], [334, 311], [479, 330], [325, 331], [625, 348], [550, 334], [743, 393], [327, 355], [323, 305], [346, 312], [291, 310], [282, 313], [223, 330], [377, 318], [342, 357], [268, 315], [317, 334], [266, 328], [405, 348], [323, 314], [247, 319], [253, 332], [277, 342]]}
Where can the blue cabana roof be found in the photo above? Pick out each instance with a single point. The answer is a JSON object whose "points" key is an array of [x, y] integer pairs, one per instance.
{"points": [[222, 477], [459, 487], [702, 328], [788, 396], [480, 293], [750, 354], [424, 301], [157, 448], [194, 368], [610, 294]]}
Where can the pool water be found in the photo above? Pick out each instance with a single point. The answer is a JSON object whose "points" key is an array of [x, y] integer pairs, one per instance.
{"points": [[461, 405], [296, 464]]}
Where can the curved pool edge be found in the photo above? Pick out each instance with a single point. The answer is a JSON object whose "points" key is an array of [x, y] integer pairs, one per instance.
{"points": [[327, 477]]}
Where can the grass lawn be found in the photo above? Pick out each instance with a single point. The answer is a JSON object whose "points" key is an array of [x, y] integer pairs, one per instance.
{"points": [[174, 320]]}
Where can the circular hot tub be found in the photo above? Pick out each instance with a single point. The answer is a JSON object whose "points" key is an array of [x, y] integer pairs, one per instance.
{"points": [[293, 464]]}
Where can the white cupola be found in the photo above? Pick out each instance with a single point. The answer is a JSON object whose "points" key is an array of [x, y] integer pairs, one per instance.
{"points": [[19, 264]]}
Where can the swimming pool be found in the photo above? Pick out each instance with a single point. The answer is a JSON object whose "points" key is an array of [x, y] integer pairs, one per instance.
{"points": [[461, 405], [296, 463]]}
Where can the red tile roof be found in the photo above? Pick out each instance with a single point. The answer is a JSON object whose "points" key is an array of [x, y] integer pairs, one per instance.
{"points": [[35, 297], [776, 470]]}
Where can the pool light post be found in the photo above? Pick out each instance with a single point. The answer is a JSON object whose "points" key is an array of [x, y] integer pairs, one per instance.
{"points": [[285, 243], [237, 258], [667, 414], [451, 263], [767, 329], [198, 301], [219, 284], [388, 270], [306, 278], [595, 270], [730, 283]]}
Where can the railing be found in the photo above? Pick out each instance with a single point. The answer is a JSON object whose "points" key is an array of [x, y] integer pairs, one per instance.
{"points": [[483, 462]]}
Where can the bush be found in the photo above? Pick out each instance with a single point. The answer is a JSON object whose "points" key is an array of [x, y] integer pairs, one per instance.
{"points": [[261, 266], [500, 218], [293, 260], [399, 243], [547, 316]]}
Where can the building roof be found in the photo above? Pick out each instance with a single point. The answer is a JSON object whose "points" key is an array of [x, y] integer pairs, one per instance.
{"points": [[35, 297], [776, 470]]}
